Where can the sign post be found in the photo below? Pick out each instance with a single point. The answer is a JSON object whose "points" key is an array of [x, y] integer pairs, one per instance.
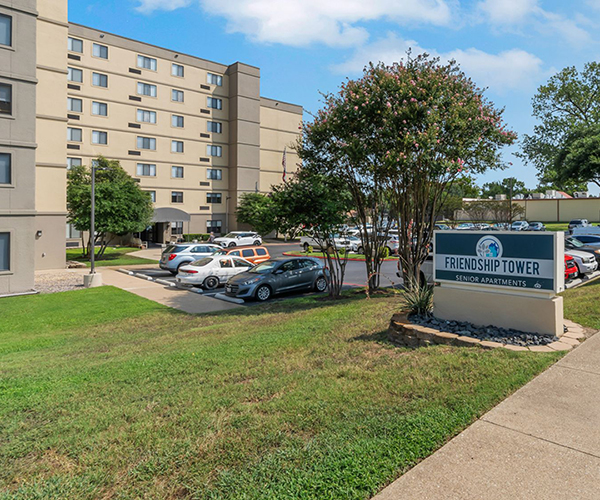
{"points": [[500, 278]]}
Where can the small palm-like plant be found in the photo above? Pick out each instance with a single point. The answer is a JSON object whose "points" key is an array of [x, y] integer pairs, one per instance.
{"points": [[419, 299]]}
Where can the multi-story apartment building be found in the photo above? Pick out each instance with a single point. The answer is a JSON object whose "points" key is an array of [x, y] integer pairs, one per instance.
{"points": [[197, 134]]}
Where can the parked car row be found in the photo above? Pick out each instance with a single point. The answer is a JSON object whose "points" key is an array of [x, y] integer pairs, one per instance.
{"points": [[586, 258], [519, 225]]}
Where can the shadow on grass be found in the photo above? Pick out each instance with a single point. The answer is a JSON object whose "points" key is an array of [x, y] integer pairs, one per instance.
{"points": [[379, 337]]}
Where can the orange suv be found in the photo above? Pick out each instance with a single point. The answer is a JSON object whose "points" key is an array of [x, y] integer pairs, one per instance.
{"points": [[256, 255]]}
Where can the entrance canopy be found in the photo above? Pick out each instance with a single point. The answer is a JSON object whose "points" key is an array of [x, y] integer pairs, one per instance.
{"points": [[168, 214]]}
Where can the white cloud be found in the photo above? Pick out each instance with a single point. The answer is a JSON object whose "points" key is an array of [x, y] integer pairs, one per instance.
{"points": [[147, 6], [506, 71], [304, 22], [508, 11], [519, 14]]}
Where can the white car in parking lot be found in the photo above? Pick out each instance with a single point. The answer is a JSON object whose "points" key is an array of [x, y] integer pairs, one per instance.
{"points": [[586, 262], [210, 272], [239, 238]]}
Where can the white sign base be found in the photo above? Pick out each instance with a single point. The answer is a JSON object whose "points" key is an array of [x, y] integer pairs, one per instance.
{"points": [[542, 315]]}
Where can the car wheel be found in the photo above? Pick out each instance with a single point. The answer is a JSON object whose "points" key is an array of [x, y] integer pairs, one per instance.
{"points": [[305, 246], [210, 283], [232, 244], [180, 266], [321, 284], [256, 243], [263, 292], [360, 250]]}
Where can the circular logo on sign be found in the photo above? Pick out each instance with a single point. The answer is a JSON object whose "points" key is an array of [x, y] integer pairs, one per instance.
{"points": [[489, 246]]}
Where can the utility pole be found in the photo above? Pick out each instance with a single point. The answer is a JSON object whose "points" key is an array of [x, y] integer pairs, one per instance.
{"points": [[93, 280]]}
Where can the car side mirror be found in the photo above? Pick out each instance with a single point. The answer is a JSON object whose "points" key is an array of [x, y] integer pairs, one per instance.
{"points": [[278, 271]]}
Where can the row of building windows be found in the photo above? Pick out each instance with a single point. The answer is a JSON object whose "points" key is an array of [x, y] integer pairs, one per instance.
{"points": [[75, 75], [177, 197], [143, 62], [149, 143], [142, 169], [212, 226], [75, 105]]}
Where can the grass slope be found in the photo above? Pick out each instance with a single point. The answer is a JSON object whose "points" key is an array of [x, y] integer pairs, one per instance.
{"points": [[114, 256], [107, 395]]}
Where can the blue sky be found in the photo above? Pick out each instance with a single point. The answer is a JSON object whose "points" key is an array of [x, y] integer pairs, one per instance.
{"points": [[307, 46]]}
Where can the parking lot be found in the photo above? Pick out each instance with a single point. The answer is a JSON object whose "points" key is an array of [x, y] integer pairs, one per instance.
{"points": [[355, 277]]}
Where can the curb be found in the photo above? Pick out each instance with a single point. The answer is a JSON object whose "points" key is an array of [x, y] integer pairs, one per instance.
{"points": [[147, 278], [226, 298]]}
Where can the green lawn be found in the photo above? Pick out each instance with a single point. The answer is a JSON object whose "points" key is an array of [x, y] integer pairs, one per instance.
{"points": [[107, 395], [114, 256], [581, 304], [556, 226]]}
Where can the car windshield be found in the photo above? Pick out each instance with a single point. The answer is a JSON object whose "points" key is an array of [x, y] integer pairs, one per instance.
{"points": [[575, 243], [202, 262], [231, 235], [264, 268]]}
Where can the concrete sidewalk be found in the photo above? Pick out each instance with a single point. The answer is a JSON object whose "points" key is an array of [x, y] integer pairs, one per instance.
{"points": [[183, 300], [543, 442]]}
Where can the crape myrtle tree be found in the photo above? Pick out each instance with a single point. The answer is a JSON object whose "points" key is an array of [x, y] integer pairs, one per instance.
{"points": [[405, 132], [320, 204], [121, 206]]}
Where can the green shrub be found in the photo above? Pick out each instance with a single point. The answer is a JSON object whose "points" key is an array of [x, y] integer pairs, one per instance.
{"points": [[384, 253], [310, 249], [419, 299]]}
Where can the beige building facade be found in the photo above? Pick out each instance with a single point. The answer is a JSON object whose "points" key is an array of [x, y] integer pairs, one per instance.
{"points": [[196, 133]]}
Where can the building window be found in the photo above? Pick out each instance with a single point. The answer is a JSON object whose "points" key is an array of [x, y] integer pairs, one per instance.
{"points": [[5, 168], [75, 75], [214, 79], [146, 116], [214, 150], [146, 89], [176, 146], [177, 70], [99, 137], [176, 196], [5, 30], [146, 143], [214, 174], [4, 251], [146, 63], [176, 228], [73, 162], [5, 99], [75, 105], [152, 196], [215, 127], [214, 103], [213, 197], [177, 121], [75, 45], [72, 233], [100, 51], [99, 80], [177, 95], [74, 134], [99, 108], [146, 170], [213, 226], [177, 172]]}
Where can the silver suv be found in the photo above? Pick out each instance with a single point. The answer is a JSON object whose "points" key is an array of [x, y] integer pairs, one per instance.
{"points": [[175, 256]]}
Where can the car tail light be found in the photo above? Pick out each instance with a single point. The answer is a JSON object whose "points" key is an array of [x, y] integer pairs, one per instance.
{"points": [[172, 256], [191, 272]]}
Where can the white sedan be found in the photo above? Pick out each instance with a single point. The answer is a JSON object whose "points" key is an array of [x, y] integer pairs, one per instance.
{"points": [[210, 272], [239, 238]]}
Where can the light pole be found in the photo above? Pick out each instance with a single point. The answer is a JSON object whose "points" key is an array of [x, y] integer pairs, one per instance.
{"points": [[93, 279]]}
